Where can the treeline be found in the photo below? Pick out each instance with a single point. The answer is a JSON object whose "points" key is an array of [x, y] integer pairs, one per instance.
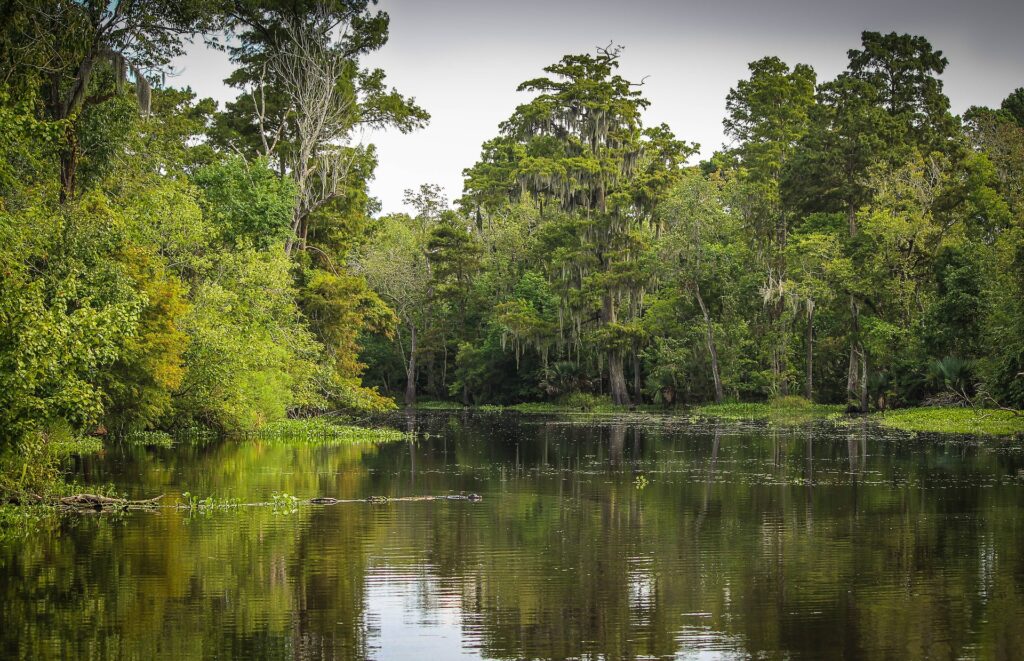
{"points": [[854, 242], [166, 263]]}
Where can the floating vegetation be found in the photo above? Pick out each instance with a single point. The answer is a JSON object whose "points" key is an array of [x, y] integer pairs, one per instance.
{"points": [[572, 403], [324, 431], [784, 410], [441, 405], [192, 502], [953, 420], [284, 503], [153, 439], [77, 445]]}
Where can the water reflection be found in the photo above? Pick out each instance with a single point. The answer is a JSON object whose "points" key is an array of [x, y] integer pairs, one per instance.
{"points": [[816, 542]]}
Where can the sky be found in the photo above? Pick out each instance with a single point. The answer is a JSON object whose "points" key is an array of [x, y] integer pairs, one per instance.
{"points": [[463, 59]]}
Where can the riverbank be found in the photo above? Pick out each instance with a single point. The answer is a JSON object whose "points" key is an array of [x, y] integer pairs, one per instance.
{"points": [[788, 410], [35, 471]]}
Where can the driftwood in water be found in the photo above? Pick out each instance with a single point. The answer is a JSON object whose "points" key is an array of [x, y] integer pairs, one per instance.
{"points": [[473, 498], [86, 502], [97, 502]]}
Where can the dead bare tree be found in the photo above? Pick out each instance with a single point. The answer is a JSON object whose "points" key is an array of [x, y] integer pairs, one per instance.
{"points": [[314, 76]]}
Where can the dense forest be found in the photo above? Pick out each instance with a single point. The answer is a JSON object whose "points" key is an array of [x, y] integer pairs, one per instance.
{"points": [[854, 243], [167, 263]]}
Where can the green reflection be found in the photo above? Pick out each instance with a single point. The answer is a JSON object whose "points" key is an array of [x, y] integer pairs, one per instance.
{"points": [[807, 542]]}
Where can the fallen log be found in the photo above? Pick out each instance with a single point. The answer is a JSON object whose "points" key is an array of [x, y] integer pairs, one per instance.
{"points": [[325, 500], [86, 502], [98, 502]]}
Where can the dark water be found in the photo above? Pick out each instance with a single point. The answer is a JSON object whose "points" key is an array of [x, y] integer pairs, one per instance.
{"points": [[818, 542]]}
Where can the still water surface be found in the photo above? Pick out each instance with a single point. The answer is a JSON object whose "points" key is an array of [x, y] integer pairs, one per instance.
{"points": [[608, 539]]}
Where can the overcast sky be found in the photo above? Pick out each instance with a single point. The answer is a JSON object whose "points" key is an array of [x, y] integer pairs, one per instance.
{"points": [[462, 61]]}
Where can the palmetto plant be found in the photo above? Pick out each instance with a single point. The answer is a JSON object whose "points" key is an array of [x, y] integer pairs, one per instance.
{"points": [[953, 374]]}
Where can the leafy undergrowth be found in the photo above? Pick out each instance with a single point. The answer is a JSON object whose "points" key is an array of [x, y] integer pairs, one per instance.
{"points": [[34, 469], [789, 410], [324, 431], [950, 420], [33, 472]]}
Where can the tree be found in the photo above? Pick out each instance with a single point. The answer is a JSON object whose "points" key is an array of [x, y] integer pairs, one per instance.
{"points": [[819, 270], [80, 54], [904, 70], [455, 255], [305, 95], [398, 268], [767, 115], [887, 107], [582, 144], [700, 246]]}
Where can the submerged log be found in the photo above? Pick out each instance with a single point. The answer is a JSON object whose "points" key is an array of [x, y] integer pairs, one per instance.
{"points": [[86, 502], [326, 500], [97, 502]]}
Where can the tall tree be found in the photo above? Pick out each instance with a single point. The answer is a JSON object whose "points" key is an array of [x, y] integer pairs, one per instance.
{"points": [[766, 115], [582, 140], [887, 107], [305, 95], [699, 247]]}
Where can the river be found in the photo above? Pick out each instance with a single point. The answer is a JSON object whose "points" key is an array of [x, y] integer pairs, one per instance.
{"points": [[596, 537]]}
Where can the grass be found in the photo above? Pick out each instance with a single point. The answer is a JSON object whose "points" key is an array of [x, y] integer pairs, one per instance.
{"points": [[948, 420], [787, 410], [324, 431]]}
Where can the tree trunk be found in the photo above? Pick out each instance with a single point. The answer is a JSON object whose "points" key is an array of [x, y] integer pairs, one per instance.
{"points": [[636, 372], [616, 369], [857, 371], [617, 379], [809, 385], [68, 168], [712, 349], [851, 369], [863, 380], [410, 370], [432, 378]]}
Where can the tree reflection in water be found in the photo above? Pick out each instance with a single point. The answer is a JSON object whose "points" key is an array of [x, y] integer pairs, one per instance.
{"points": [[914, 551]]}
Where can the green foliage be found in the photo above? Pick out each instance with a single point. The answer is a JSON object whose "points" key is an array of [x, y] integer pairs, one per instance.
{"points": [[784, 410], [953, 374], [843, 242], [166, 263], [582, 401], [158, 268], [33, 467], [246, 203], [69, 311], [251, 357], [158, 439], [324, 431], [958, 420]]}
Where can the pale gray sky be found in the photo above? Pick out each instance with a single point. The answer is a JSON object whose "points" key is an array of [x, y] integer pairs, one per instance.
{"points": [[462, 60]]}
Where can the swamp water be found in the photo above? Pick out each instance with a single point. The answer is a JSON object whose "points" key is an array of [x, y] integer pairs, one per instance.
{"points": [[633, 537]]}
